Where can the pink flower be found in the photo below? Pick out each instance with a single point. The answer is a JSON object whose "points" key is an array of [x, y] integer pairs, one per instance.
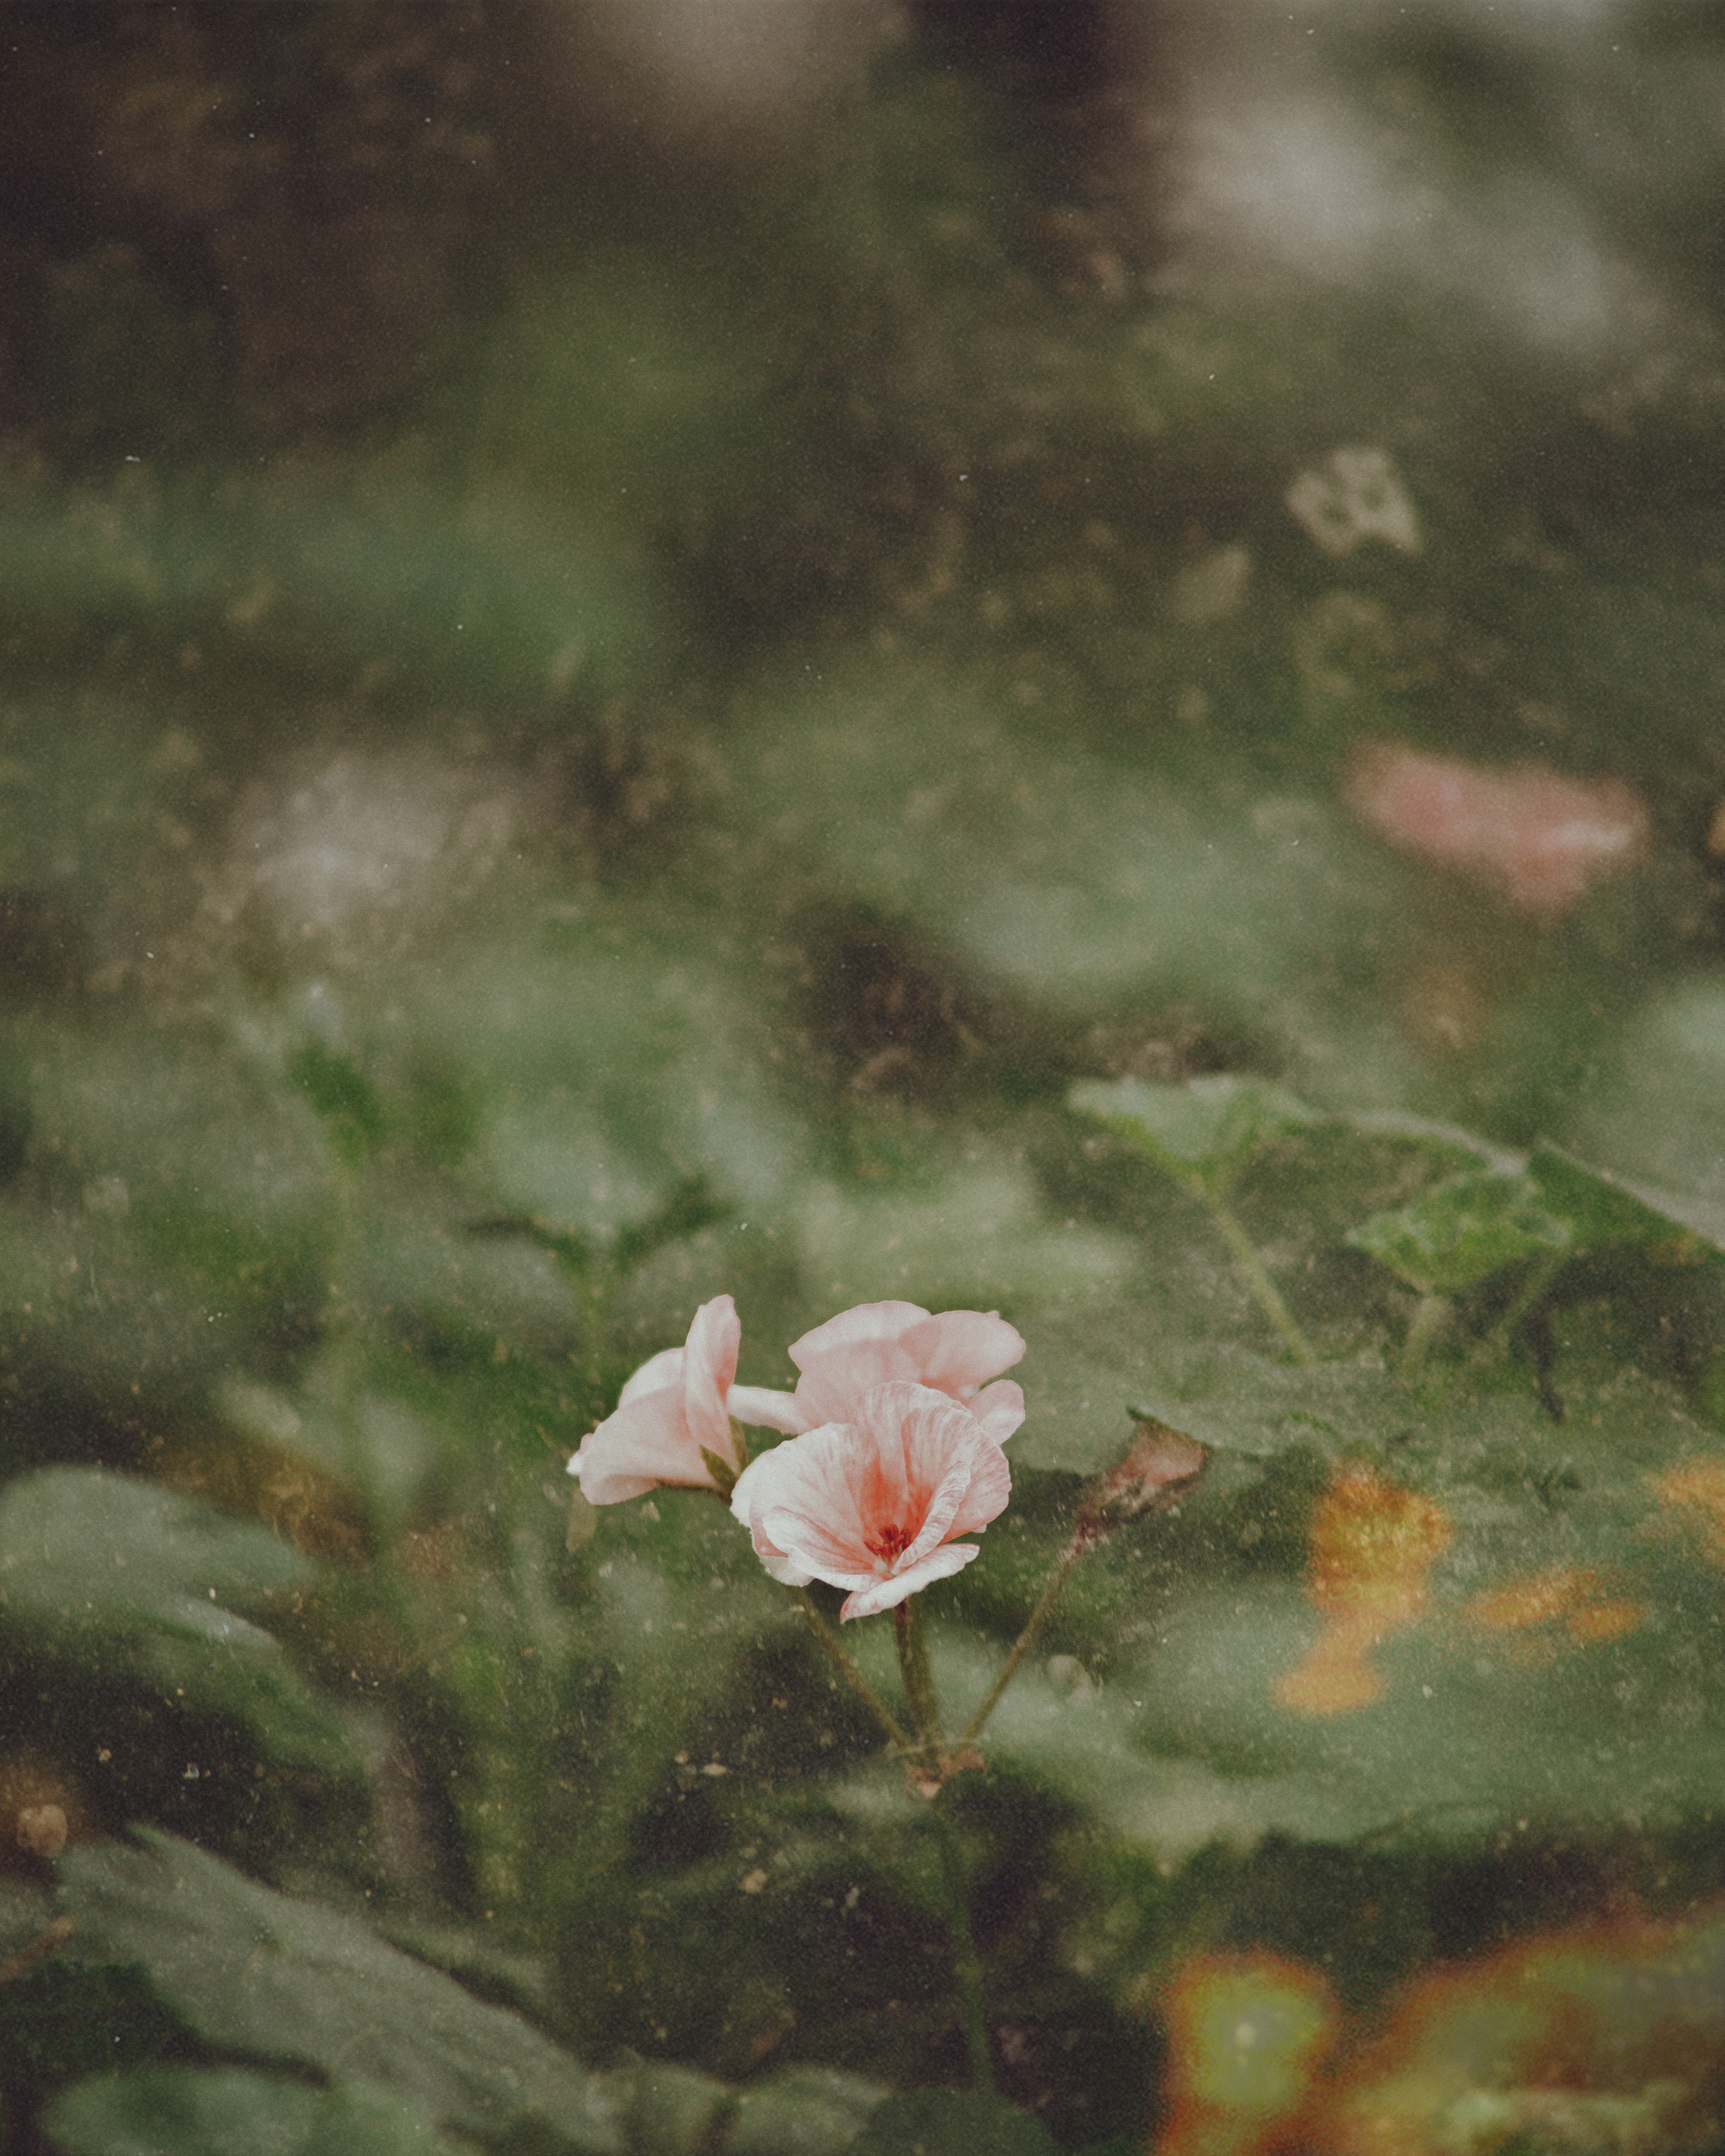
{"points": [[873, 1504], [878, 1343], [672, 1406], [1542, 838]]}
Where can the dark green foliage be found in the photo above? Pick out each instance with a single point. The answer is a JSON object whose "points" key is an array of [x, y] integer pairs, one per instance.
{"points": [[113, 1581], [1462, 1232], [61, 2021], [939, 2123], [347, 1104], [601, 706], [249, 1972], [1204, 1131], [231, 2113]]}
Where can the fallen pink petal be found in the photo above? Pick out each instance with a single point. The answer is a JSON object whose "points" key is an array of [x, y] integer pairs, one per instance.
{"points": [[1543, 838], [674, 1406], [874, 1504], [956, 1353]]}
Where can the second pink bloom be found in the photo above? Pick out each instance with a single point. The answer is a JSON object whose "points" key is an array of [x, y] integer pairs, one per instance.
{"points": [[672, 1410], [876, 1344]]}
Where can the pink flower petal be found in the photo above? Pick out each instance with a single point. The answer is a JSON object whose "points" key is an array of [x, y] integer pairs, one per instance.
{"points": [[1542, 838], [986, 1494], [674, 1405], [878, 1343], [876, 1500], [763, 1409], [939, 1565], [812, 1502], [795, 1539], [829, 1390], [709, 1365], [641, 1446], [800, 1502], [959, 1350], [655, 1374], [999, 1409], [783, 1567], [923, 1453], [866, 1321]]}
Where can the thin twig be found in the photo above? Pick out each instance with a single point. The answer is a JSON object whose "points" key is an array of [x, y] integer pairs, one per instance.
{"points": [[902, 1740], [1026, 1640], [1537, 1284], [967, 1964], [1257, 1279], [918, 1681], [1430, 1315], [939, 1765]]}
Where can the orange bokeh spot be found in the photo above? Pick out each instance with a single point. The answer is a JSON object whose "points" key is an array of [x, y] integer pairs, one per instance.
{"points": [[1606, 1620], [1371, 1545], [1573, 1593], [1535, 1600], [1608, 2036], [1247, 2035], [1334, 1675], [1698, 1491]]}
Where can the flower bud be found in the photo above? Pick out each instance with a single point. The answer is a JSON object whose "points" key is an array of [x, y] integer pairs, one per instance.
{"points": [[1158, 1470]]}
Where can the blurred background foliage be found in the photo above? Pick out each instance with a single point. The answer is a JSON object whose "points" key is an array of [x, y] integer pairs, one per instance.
{"points": [[632, 635]]}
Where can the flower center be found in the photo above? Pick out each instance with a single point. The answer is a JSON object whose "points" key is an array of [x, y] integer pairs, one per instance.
{"points": [[888, 1544]]}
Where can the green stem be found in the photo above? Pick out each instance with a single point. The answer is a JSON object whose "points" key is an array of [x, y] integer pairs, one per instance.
{"points": [[1532, 1291], [593, 1288], [1428, 1320], [1260, 1282], [1025, 1641], [902, 1741], [918, 1680], [967, 1967]]}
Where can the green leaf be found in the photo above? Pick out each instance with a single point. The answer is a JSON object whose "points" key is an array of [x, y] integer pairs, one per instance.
{"points": [[1443, 1143], [807, 2110], [623, 1061], [679, 383], [676, 2110], [1600, 1213], [1080, 874], [1093, 1368], [321, 581], [362, 1412], [1658, 1122], [115, 1578], [1203, 1131], [347, 1103], [188, 1203], [980, 1234], [675, 1606], [24, 1909], [691, 1206], [250, 1971], [947, 2122], [1233, 1400], [1552, 1658], [1462, 1230], [232, 2112]]}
